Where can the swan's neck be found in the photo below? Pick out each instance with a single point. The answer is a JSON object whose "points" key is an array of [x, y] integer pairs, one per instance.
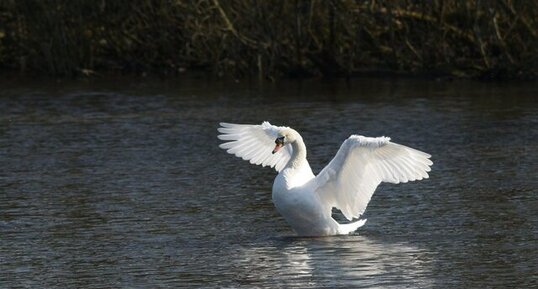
{"points": [[298, 158]]}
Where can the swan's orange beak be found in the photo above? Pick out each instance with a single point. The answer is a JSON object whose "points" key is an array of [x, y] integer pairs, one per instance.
{"points": [[277, 147], [279, 141]]}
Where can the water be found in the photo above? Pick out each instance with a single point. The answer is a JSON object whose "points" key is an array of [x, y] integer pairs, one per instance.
{"points": [[121, 184]]}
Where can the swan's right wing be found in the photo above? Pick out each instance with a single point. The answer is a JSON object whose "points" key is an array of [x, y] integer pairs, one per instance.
{"points": [[360, 165], [254, 143]]}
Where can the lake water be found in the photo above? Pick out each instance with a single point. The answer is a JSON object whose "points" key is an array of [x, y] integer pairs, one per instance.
{"points": [[121, 184]]}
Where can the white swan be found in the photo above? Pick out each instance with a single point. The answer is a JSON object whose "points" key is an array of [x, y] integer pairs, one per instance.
{"points": [[347, 182]]}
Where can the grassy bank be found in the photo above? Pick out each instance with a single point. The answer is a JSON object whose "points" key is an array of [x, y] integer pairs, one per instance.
{"points": [[270, 39]]}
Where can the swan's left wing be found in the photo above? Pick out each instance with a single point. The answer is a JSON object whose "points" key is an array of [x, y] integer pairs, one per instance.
{"points": [[254, 143], [360, 165]]}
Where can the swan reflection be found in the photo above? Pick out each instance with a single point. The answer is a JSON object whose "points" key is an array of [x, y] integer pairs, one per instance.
{"points": [[336, 261]]}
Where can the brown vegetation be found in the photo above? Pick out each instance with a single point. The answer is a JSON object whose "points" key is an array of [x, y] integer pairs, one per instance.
{"points": [[271, 39]]}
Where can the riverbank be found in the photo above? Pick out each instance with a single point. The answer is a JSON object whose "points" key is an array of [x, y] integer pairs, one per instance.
{"points": [[270, 40]]}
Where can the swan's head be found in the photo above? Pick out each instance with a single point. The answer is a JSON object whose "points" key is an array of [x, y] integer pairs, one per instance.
{"points": [[285, 136]]}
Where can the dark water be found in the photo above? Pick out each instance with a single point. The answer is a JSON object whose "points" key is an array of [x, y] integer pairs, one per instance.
{"points": [[121, 184]]}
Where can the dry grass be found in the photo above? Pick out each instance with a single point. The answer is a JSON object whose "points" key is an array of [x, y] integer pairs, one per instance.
{"points": [[271, 39]]}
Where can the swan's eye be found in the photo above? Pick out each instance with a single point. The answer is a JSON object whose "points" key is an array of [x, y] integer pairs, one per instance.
{"points": [[279, 140]]}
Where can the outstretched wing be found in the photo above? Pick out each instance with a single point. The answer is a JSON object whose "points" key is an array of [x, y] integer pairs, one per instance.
{"points": [[360, 165], [254, 143]]}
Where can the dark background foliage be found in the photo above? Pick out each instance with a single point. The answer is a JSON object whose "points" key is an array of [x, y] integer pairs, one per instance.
{"points": [[270, 39]]}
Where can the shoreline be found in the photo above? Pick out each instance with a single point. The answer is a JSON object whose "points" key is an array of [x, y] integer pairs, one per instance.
{"points": [[207, 75]]}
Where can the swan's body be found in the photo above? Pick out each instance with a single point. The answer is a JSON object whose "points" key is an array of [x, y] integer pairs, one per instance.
{"points": [[347, 182]]}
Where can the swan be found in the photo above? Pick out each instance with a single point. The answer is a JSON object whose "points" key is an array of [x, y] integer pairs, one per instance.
{"points": [[347, 182]]}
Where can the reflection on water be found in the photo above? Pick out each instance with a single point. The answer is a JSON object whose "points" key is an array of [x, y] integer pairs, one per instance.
{"points": [[349, 262], [122, 184]]}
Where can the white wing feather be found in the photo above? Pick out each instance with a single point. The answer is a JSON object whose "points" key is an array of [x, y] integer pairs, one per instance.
{"points": [[360, 165], [254, 143]]}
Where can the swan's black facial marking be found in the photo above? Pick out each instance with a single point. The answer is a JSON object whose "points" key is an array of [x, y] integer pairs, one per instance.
{"points": [[279, 141]]}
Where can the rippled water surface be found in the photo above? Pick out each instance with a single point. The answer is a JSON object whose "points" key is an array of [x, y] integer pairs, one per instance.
{"points": [[121, 184]]}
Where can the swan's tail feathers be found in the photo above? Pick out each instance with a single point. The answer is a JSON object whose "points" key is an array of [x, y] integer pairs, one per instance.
{"points": [[351, 227]]}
